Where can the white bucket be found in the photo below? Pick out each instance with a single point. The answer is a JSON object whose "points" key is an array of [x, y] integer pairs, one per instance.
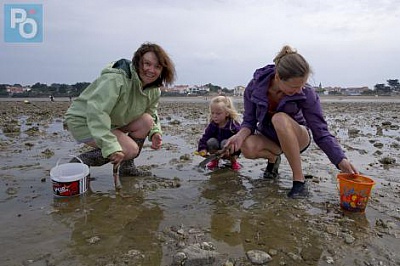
{"points": [[70, 179]]}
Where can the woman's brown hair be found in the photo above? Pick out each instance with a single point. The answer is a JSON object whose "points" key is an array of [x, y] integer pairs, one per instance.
{"points": [[168, 73]]}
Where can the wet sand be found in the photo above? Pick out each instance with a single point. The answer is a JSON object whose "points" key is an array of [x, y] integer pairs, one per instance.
{"points": [[182, 207]]}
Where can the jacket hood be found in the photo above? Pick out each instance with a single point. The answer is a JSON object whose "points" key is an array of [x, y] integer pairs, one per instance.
{"points": [[263, 75], [122, 66], [259, 84], [125, 67]]}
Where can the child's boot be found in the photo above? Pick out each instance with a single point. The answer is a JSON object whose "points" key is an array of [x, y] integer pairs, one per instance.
{"points": [[213, 164], [235, 165]]}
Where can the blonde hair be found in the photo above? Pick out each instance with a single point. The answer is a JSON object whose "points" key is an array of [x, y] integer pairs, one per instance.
{"points": [[290, 64], [227, 104]]}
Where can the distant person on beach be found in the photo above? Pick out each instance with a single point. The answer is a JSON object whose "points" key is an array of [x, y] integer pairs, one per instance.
{"points": [[51, 98], [117, 111], [223, 125], [280, 110]]}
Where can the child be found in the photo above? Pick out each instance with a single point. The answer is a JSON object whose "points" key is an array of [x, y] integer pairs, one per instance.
{"points": [[223, 124]]}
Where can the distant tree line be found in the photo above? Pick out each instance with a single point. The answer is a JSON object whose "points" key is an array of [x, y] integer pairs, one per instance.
{"points": [[392, 85], [66, 90], [43, 90], [217, 89]]}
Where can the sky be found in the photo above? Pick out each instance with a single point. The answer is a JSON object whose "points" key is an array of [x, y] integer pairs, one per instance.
{"points": [[347, 43]]}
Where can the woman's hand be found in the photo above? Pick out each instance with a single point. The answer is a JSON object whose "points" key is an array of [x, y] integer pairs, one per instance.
{"points": [[156, 141], [117, 157], [236, 141], [346, 167]]}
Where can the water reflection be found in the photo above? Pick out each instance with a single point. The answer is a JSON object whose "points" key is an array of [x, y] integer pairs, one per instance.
{"points": [[108, 228], [226, 190], [270, 223], [277, 223]]}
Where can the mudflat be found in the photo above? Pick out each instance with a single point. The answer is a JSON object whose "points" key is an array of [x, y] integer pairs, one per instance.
{"points": [[183, 213]]}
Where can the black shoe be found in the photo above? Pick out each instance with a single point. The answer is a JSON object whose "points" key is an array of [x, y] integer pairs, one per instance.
{"points": [[128, 168], [271, 172], [299, 190], [91, 158]]}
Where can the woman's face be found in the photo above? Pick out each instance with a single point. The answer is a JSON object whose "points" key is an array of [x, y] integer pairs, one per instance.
{"points": [[150, 69], [292, 85]]}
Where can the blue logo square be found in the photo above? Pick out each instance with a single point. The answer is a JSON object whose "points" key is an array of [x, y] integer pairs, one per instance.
{"points": [[23, 23]]}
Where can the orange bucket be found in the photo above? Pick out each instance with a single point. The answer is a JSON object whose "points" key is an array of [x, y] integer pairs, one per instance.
{"points": [[354, 190]]}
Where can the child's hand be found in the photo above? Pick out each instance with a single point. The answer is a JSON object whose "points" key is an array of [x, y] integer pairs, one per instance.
{"points": [[202, 153], [227, 153]]}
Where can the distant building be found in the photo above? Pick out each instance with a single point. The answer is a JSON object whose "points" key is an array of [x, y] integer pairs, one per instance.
{"points": [[17, 89], [200, 90], [238, 90], [353, 91], [177, 89]]}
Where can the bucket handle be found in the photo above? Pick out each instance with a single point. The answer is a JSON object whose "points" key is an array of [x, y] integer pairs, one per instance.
{"points": [[79, 159], [58, 162]]}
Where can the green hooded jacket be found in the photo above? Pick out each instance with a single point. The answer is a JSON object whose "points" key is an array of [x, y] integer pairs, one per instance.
{"points": [[113, 100]]}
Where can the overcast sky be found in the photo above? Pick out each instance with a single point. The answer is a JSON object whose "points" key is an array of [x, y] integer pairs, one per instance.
{"points": [[347, 43]]}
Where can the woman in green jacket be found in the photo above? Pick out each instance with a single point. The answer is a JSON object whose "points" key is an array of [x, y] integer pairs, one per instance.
{"points": [[117, 111]]}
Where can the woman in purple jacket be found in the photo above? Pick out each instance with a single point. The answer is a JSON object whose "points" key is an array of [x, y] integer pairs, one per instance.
{"points": [[280, 110], [223, 125]]}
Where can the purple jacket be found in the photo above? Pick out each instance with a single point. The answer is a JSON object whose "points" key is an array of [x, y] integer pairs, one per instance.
{"points": [[303, 107], [214, 131]]}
